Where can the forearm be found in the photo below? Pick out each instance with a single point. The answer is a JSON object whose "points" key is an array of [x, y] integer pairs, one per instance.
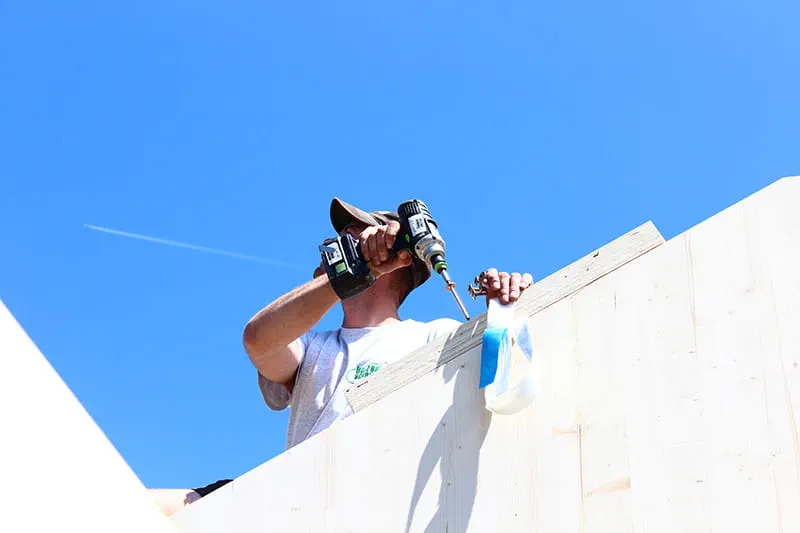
{"points": [[170, 501], [289, 316]]}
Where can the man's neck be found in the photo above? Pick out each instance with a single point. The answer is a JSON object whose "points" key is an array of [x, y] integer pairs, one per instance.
{"points": [[369, 310]]}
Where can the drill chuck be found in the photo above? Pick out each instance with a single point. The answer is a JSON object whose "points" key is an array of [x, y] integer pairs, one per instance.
{"points": [[437, 262]]}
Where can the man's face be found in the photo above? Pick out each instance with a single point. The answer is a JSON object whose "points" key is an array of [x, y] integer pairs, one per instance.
{"points": [[354, 229], [386, 282]]}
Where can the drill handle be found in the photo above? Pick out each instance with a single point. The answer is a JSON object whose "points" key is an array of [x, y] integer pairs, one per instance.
{"points": [[402, 241]]}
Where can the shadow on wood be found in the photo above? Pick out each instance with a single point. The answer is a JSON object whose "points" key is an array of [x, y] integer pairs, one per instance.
{"points": [[455, 447]]}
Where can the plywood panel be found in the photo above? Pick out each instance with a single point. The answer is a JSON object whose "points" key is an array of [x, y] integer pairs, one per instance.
{"points": [[555, 497], [738, 339], [650, 360], [772, 225], [603, 461], [698, 363]]}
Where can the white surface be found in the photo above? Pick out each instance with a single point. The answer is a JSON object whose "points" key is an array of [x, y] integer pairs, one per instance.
{"points": [[58, 471]]}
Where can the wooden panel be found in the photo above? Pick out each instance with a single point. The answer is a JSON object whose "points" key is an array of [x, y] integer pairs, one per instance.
{"points": [[555, 497], [603, 448], [695, 368], [543, 294], [772, 237], [651, 430], [738, 337], [772, 225], [59, 471]]}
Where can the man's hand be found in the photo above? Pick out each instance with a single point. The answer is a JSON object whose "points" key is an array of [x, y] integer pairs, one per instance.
{"points": [[507, 287], [376, 247]]}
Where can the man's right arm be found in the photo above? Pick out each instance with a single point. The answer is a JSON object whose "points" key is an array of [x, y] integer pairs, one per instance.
{"points": [[271, 336]]}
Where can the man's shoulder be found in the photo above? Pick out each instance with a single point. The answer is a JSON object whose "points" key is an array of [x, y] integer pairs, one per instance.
{"points": [[436, 327], [318, 336], [430, 329]]}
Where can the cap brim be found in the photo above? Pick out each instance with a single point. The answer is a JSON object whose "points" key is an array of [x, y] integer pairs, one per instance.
{"points": [[343, 214]]}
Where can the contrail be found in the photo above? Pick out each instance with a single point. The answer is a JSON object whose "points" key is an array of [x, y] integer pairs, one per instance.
{"points": [[191, 246]]}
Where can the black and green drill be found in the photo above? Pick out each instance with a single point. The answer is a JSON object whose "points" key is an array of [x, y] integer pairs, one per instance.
{"points": [[419, 234]]}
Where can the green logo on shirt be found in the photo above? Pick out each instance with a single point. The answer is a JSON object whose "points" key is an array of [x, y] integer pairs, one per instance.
{"points": [[362, 371]]}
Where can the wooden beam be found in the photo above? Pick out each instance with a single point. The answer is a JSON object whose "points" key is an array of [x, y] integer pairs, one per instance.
{"points": [[543, 294]]}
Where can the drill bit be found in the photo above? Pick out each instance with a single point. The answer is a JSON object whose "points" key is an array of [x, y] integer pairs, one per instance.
{"points": [[451, 286]]}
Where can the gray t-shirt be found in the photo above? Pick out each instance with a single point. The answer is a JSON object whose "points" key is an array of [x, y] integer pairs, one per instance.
{"points": [[332, 360]]}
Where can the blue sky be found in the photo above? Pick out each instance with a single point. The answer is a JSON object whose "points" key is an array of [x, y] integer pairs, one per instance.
{"points": [[535, 132]]}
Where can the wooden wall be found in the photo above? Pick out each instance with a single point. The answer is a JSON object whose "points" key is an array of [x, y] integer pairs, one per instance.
{"points": [[670, 402]]}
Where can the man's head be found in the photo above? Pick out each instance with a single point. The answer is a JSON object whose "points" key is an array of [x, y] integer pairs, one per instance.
{"points": [[343, 215]]}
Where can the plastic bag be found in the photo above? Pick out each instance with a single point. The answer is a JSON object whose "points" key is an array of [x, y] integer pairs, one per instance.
{"points": [[507, 373]]}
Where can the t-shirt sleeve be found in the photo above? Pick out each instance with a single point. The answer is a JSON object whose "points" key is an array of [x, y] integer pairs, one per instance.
{"points": [[441, 326], [276, 395]]}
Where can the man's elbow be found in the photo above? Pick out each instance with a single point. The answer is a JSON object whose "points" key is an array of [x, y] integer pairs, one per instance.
{"points": [[250, 339]]}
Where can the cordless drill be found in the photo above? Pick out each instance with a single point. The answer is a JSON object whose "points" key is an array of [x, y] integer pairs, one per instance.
{"points": [[349, 274]]}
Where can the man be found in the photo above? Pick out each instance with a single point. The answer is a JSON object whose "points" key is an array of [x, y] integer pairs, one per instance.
{"points": [[309, 370]]}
